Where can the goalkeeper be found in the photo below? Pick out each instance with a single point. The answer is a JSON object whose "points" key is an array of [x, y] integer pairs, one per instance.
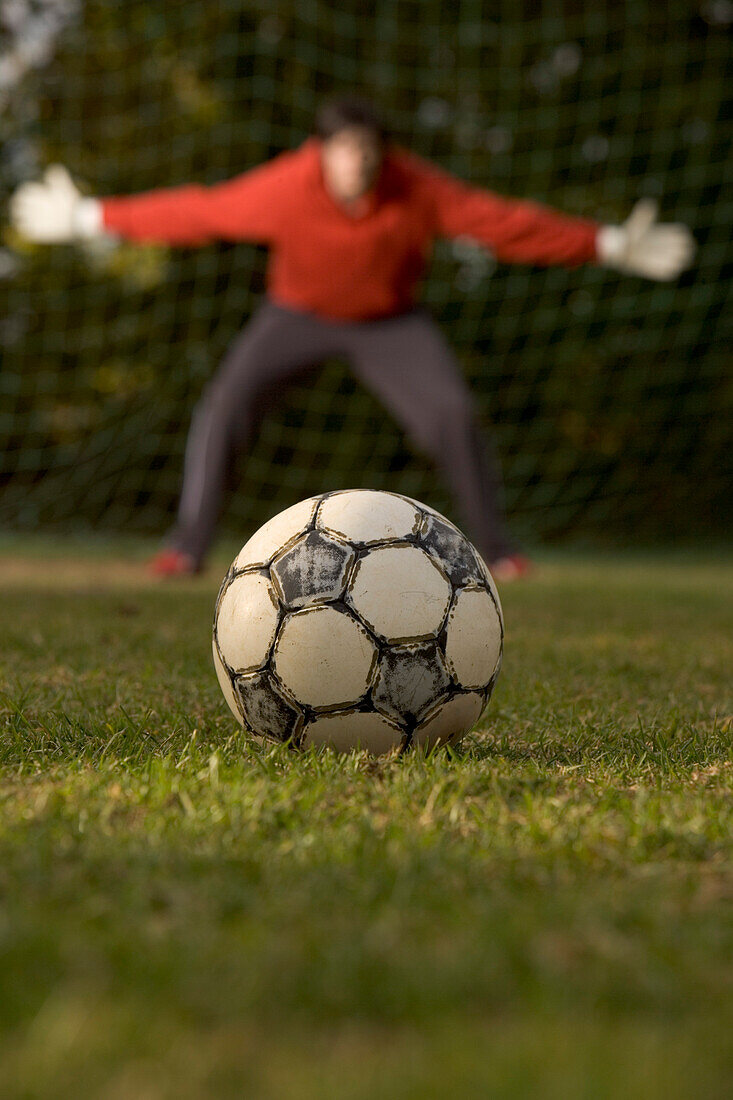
{"points": [[349, 219]]}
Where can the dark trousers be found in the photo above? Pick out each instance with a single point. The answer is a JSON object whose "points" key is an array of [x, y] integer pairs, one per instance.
{"points": [[406, 363]]}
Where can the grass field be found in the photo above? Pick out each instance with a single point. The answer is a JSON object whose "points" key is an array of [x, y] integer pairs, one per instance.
{"points": [[547, 914]]}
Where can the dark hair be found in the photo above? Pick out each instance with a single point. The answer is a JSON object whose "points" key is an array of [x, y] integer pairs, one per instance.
{"points": [[340, 113]]}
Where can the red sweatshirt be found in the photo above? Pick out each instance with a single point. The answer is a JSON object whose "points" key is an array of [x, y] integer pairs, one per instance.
{"points": [[343, 266]]}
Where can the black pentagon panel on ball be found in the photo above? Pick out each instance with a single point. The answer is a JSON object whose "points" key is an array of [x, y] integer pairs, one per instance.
{"points": [[314, 569], [454, 552], [410, 680], [266, 711]]}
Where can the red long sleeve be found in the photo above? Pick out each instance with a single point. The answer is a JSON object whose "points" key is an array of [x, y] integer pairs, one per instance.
{"points": [[344, 265], [249, 207], [515, 230]]}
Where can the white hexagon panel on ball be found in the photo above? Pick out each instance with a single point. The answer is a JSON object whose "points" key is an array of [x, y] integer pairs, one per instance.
{"points": [[364, 517], [247, 621], [400, 592], [473, 638], [346, 731], [324, 657]]}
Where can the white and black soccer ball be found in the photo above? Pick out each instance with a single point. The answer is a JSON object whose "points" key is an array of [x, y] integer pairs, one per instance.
{"points": [[358, 619]]}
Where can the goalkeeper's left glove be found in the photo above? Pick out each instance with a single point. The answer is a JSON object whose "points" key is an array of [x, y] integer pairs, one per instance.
{"points": [[54, 211], [641, 247]]}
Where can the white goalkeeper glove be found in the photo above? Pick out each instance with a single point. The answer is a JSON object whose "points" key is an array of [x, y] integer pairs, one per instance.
{"points": [[55, 211], [641, 247]]}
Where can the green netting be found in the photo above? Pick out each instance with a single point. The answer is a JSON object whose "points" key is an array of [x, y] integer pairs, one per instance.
{"points": [[609, 396]]}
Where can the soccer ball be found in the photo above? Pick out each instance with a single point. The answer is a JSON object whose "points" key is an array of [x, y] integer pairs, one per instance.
{"points": [[360, 620]]}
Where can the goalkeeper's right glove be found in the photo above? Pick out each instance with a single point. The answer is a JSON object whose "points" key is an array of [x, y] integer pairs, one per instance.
{"points": [[643, 247], [55, 211]]}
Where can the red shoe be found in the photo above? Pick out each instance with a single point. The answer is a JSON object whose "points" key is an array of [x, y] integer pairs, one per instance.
{"points": [[172, 563], [510, 568]]}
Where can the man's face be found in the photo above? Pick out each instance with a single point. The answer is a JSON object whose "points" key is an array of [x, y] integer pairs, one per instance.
{"points": [[351, 161]]}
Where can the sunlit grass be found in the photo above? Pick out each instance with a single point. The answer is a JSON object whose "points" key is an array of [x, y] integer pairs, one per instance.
{"points": [[548, 912]]}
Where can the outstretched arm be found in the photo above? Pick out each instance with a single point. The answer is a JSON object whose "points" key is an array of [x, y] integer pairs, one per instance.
{"points": [[515, 230], [528, 232], [247, 207]]}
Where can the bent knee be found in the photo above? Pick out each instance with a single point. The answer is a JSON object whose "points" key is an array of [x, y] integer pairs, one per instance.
{"points": [[453, 416], [220, 409], [458, 408]]}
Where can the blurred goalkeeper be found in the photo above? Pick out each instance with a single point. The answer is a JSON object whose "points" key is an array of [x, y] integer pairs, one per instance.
{"points": [[350, 220]]}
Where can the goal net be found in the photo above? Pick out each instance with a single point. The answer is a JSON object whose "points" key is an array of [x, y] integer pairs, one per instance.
{"points": [[606, 395]]}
